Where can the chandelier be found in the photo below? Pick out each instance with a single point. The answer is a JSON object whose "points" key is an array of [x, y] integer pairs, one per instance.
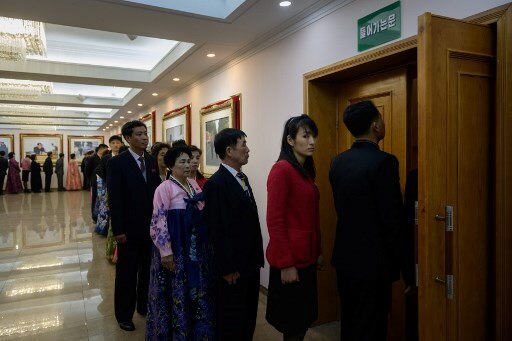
{"points": [[19, 38], [23, 89]]}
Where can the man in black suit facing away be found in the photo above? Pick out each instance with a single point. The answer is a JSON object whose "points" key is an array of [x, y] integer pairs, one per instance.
{"points": [[4, 165], [132, 179], [48, 171], [232, 217], [368, 252]]}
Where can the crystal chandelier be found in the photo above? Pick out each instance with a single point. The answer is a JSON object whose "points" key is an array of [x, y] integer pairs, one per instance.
{"points": [[23, 89], [19, 38]]}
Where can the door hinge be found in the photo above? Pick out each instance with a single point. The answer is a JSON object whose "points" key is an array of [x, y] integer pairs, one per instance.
{"points": [[449, 287]]}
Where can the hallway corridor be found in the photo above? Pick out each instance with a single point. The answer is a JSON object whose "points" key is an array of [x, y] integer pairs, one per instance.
{"points": [[55, 281]]}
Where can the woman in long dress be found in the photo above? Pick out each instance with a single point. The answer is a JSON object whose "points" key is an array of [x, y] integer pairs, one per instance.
{"points": [[73, 180], [36, 184], [180, 302], [13, 185]]}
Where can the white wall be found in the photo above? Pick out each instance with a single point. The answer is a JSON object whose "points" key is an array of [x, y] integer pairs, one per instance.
{"points": [[65, 134], [271, 81]]}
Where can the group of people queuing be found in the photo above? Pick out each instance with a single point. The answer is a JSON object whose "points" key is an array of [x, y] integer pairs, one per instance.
{"points": [[30, 169], [189, 249]]}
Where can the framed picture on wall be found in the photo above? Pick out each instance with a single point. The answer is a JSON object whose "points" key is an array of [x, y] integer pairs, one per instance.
{"points": [[79, 145], [7, 143], [149, 121], [214, 118], [176, 125], [40, 145]]}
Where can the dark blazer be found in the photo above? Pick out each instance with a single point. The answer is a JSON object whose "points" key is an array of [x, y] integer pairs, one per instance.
{"points": [[102, 168], [130, 197], [59, 166], [48, 166], [233, 221], [370, 228], [4, 164]]}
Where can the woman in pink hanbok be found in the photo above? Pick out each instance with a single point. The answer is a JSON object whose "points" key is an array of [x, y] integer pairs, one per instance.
{"points": [[13, 176], [73, 181]]}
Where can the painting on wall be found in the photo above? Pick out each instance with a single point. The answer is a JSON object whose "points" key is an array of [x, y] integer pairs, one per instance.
{"points": [[214, 118], [79, 145], [176, 125], [40, 145], [149, 121], [6, 143]]}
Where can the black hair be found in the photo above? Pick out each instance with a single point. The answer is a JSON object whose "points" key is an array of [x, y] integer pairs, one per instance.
{"points": [[10, 155], [102, 146], [193, 148], [358, 117], [49, 154], [2, 153], [157, 147], [123, 148], [175, 152], [115, 138], [61, 155], [127, 129], [227, 138], [291, 128], [72, 156], [179, 143], [33, 157]]}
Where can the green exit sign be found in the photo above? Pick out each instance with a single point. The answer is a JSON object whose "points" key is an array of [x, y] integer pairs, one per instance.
{"points": [[379, 27]]}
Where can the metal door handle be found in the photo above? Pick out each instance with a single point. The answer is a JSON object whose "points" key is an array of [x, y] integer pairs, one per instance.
{"points": [[440, 280], [440, 218]]}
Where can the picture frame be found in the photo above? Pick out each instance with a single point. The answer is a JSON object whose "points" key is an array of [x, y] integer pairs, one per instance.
{"points": [[79, 145], [150, 121], [215, 117], [176, 125], [7, 143], [40, 144]]}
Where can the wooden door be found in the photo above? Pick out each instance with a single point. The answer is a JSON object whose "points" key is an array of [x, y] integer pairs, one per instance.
{"points": [[388, 91], [456, 142]]}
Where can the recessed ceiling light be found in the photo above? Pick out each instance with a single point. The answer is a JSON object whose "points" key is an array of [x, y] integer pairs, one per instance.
{"points": [[210, 55], [107, 127], [285, 3], [116, 121], [121, 116], [154, 94], [129, 111], [110, 124], [176, 79], [140, 104], [103, 129]]}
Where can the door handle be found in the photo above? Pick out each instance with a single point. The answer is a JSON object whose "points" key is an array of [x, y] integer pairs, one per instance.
{"points": [[440, 280], [440, 218]]}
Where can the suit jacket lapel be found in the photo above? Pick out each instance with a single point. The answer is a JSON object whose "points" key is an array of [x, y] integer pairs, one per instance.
{"points": [[235, 186], [135, 166]]}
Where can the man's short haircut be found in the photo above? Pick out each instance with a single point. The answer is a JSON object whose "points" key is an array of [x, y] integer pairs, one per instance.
{"points": [[358, 117], [72, 156], [49, 153], [127, 129], [227, 138], [61, 155], [2, 153], [102, 146], [115, 138]]}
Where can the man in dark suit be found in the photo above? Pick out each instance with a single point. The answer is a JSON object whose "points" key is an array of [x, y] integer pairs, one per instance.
{"points": [[115, 142], [90, 171], [48, 171], [368, 250], [232, 217], [4, 164], [59, 170], [132, 180]]}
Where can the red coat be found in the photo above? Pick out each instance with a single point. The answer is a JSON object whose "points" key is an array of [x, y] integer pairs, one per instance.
{"points": [[292, 218]]}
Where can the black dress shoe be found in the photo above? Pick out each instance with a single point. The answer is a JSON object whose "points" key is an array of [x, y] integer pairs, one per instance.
{"points": [[128, 326]]}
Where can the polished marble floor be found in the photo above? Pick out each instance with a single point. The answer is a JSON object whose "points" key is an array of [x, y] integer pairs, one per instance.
{"points": [[55, 281]]}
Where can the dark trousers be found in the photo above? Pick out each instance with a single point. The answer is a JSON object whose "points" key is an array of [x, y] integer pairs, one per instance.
{"points": [[237, 307], [364, 309], [94, 194], [60, 181], [132, 277], [87, 183], [2, 179], [47, 181]]}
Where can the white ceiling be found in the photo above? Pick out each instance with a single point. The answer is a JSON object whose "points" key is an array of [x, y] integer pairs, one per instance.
{"points": [[94, 65]]}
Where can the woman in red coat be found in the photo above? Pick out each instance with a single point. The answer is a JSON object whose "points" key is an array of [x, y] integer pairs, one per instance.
{"points": [[294, 251]]}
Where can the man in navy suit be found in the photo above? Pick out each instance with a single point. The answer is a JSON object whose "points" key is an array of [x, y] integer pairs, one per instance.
{"points": [[132, 179], [368, 252], [232, 217]]}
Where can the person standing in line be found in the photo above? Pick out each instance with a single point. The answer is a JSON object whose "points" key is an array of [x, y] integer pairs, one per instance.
{"points": [[194, 166], [4, 165], [73, 181], [158, 151], [48, 171], [132, 178], [294, 251], [25, 172], [83, 167], [232, 217], [35, 175], [59, 170], [90, 170], [13, 185], [368, 251]]}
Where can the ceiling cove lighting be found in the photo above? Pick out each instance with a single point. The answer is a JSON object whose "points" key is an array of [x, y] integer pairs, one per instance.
{"points": [[285, 3], [210, 55]]}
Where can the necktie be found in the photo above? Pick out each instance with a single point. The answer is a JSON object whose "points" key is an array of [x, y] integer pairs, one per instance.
{"points": [[142, 166], [244, 180]]}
